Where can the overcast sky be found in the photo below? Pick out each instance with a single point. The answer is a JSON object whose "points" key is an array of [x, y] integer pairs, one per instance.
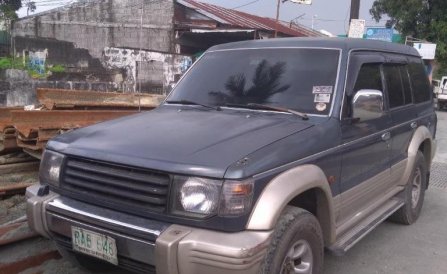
{"points": [[330, 15]]}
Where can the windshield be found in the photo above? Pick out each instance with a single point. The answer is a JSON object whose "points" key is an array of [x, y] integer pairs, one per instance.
{"points": [[298, 79]]}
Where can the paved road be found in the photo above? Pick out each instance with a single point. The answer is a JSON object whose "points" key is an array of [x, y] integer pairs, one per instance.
{"points": [[398, 249]]}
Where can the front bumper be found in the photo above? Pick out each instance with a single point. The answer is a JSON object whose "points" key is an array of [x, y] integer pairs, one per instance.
{"points": [[146, 245]]}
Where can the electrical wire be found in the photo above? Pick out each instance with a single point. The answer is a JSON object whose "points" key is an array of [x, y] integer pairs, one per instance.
{"points": [[249, 3]]}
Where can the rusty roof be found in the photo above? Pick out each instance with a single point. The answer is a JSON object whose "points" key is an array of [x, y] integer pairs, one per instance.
{"points": [[237, 19]]}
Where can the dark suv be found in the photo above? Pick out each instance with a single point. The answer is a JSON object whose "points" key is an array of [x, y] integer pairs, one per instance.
{"points": [[265, 153]]}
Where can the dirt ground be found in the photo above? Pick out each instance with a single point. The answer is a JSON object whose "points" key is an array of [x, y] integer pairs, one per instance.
{"points": [[13, 208]]}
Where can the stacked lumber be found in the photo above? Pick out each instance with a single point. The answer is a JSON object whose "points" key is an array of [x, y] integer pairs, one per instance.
{"points": [[62, 111]]}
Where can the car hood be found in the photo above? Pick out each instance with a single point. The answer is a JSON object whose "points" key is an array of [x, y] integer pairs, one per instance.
{"points": [[182, 140]]}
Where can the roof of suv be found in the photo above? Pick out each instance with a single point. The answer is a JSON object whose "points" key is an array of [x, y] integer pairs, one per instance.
{"points": [[346, 44]]}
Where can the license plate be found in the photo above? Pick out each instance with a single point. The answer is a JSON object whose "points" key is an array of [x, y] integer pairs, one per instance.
{"points": [[94, 244]]}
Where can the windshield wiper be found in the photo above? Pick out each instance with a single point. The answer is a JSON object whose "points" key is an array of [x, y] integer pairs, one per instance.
{"points": [[188, 102], [267, 107]]}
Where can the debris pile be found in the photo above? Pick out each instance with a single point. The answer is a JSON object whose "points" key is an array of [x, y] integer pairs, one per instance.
{"points": [[60, 111]]}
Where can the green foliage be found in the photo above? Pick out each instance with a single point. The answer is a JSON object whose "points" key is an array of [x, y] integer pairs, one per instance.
{"points": [[19, 63], [421, 19], [35, 75], [57, 69], [8, 8], [5, 63], [9, 63], [14, 4]]}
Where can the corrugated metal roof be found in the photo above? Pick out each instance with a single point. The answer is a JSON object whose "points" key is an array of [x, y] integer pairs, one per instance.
{"points": [[234, 18]]}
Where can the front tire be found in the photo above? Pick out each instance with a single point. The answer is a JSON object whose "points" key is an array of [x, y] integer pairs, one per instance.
{"points": [[414, 193], [296, 246]]}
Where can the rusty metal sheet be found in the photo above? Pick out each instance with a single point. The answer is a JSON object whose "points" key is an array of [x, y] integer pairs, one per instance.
{"points": [[8, 145], [29, 262], [8, 141], [238, 19], [15, 232], [15, 158], [46, 134], [20, 167], [27, 122], [5, 117], [61, 98], [37, 154], [14, 189], [30, 144]]}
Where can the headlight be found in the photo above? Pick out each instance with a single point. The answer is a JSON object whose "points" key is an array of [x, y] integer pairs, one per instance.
{"points": [[195, 196], [50, 168], [200, 197]]}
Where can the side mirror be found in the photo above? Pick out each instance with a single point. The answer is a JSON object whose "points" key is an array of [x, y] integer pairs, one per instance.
{"points": [[367, 104]]}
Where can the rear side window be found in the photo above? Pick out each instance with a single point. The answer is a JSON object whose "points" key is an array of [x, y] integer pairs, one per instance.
{"points": [[395, 90], [420, 84], [369, 77]]}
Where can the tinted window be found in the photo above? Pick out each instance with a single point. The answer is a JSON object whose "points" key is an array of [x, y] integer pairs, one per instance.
{"points": [[406, 85], [420, 84], [299, 79], [369, 77], [395, 91]]}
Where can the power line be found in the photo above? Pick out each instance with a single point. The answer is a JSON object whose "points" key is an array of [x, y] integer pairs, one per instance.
{"points": [[249, 3]]}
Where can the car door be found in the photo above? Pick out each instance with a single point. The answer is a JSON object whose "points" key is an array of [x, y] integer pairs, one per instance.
{"points": [[402, 112], [366, 144]]}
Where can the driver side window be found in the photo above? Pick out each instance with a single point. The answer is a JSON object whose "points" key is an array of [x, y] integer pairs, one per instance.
{"points": [[369, 77]]}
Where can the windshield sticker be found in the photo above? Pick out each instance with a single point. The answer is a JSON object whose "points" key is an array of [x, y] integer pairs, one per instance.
{"points": [[321, 106], [322, 98], [322, 89]]}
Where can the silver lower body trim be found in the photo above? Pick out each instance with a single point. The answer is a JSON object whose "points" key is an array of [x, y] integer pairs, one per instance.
{"points": [[145, 244]]}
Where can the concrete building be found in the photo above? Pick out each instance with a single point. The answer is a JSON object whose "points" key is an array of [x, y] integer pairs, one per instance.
{"points": [[141, 45]]}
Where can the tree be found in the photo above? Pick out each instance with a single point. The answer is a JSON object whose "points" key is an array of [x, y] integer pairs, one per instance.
{"points": [[8, 8], [421, 19], [30, 6]]}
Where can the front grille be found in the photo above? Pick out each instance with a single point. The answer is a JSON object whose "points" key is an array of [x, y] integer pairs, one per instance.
{"points": [[121, 185]]}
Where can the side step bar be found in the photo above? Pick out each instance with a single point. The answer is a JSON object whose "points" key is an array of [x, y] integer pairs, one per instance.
{"points": [[354, 235]]}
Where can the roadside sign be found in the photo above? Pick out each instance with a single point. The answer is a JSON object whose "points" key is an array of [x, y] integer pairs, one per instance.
{"points": [[304, 2], [426, 50], [382, 34], [357, 28]]}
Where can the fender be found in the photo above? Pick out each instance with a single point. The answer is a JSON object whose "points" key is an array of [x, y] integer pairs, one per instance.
{"points": [[286, 186], [421, 134]]}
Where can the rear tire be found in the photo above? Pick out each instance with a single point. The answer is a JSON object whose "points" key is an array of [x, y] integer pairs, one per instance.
{"points": [[296, 245], [414, 193]]}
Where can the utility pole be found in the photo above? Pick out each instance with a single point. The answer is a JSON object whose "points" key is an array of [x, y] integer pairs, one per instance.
{"points": [[141, 56], [277, 18], [355, 9]]}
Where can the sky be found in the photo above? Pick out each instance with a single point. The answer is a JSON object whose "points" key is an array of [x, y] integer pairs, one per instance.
{"points": [[329, 15]]}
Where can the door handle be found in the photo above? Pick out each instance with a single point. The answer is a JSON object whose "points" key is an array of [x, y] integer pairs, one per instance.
{"points": [[386, 136], [414, 125]]}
